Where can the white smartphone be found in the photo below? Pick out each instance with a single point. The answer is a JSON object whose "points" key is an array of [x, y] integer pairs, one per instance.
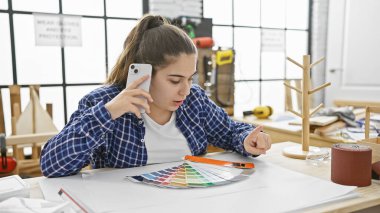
{"points": [[137, 71]]}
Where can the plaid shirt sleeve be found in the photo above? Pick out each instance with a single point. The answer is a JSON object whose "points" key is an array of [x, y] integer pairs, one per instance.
{"points": [[221, 130], [69, 151]]}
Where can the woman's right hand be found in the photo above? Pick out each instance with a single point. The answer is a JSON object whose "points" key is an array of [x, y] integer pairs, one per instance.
{"points": [[128, 100]]}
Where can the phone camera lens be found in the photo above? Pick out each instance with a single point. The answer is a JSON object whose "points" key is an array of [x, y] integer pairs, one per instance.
{"points": [[133, 66], [136, 70]]}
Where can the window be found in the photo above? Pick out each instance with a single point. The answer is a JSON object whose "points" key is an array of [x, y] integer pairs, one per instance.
{"points": [[4, 4], [83, 7], [64, 74], [263, 34], [35, 64], [86, 64], [119, 29], [5, 51], [74, 95], [43, 6], [124, 8]]}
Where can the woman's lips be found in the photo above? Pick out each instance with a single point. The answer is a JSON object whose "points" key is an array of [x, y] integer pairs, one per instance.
{"points": [[178, 103]]}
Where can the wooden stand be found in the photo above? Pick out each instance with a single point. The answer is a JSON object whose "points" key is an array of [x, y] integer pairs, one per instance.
{"points": [[297, 152]]}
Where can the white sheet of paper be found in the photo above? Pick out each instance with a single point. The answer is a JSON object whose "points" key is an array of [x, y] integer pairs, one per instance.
{"points": [[269, 189]]}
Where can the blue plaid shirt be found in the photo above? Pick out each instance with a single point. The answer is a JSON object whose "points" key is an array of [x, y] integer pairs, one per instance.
{"points": [[92, 137]]}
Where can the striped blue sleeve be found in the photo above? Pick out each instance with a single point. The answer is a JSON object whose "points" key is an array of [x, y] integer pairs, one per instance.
{"points": [[69, 151]]}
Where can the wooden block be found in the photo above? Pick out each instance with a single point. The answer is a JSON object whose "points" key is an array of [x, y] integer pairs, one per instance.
{"points": [[318, 121], [326, 130]]}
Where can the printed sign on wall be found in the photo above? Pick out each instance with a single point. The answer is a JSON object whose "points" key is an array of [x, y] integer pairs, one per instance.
{"points": [[57, 30], [272, 40]]}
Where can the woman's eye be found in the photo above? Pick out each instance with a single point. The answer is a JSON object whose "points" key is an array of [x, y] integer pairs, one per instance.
{"points": [[175, 82]]}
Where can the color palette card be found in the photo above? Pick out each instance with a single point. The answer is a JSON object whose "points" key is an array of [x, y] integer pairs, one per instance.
{"points": [[190, 175]]}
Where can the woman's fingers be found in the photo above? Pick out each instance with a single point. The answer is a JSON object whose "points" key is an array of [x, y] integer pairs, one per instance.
{"points": [[257, 142], [135, 110], [139, 81], [253, 135], [140, 102], [262, 141], [140, 92], [254, 150]]}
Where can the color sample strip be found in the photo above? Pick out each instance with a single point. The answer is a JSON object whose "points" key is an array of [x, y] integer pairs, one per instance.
{"points": [[189, 175]]}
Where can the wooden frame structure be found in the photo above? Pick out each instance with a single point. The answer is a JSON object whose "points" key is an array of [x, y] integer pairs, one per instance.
{"points": [[295, 151], [30, 128]]}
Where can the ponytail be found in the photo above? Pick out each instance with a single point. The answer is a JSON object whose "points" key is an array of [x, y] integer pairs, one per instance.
{"points": [[154, 41]]}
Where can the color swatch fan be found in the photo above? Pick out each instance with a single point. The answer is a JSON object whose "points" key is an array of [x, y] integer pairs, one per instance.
{"points": [[192, 175]]}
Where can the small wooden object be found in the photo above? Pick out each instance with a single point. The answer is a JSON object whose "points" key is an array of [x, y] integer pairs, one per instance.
{"points": [[297, 152]]}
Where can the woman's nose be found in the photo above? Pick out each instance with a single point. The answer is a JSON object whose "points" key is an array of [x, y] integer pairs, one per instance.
{"points": [[185, 90]]}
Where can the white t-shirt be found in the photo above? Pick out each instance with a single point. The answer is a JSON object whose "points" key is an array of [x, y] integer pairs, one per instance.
{"points": [[164, 143]]}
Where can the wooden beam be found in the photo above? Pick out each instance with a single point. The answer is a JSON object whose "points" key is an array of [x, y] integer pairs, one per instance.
{"points": [[356, 103], [29, 138]]}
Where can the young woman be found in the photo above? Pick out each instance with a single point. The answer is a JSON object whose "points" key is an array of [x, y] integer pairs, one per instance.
{"points": [[108, 129]]}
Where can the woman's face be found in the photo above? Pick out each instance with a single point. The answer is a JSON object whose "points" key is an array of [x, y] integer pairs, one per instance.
{"points": [[171, 85]]}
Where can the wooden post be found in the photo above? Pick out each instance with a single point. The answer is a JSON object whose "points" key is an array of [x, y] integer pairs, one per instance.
{"points": [[305, 103], [17, 112], [14, 91], [33, 102]]}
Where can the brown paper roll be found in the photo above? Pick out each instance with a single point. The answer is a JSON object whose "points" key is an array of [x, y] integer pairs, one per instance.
{"points": [[351, 164]]}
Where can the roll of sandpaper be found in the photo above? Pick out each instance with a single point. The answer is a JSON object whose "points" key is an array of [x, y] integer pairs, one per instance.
{"points": [[351, 164]]}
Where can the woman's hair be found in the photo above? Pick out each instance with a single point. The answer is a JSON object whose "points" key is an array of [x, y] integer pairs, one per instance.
{"points": [[152, 41]]}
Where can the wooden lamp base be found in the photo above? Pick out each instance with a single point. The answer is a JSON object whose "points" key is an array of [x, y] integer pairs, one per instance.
{"points": [[297, 152]]}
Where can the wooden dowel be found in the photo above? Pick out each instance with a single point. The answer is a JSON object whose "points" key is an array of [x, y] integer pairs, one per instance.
{"points": [[292, 87], [319, 88], [316, 109], [317, 62], [296, 113], [294, 62]]}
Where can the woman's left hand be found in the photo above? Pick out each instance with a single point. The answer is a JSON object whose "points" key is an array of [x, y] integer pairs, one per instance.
{"points": [[257, 142]]}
